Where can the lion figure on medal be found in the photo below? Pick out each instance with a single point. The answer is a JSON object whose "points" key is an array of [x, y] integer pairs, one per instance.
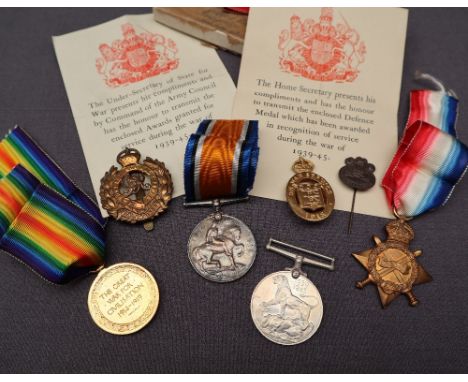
{"points": [[286, 315]]}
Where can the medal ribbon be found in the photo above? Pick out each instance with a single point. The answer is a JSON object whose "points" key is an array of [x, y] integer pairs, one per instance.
{"points": [[221, 160], [430, 160], [59, 238], [19, 148]]}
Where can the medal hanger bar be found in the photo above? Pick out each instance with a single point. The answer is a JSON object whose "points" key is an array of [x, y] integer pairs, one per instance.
{"points": [[215, 202], [272, 246]]}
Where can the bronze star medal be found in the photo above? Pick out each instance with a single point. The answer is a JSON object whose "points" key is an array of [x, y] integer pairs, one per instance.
{"points": [[392, 266]]}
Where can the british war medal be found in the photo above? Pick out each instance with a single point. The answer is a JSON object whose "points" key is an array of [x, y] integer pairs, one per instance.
{"points": [[219, 168]]}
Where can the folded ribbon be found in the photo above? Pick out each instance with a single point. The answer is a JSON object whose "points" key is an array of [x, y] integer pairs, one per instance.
{"points": [[430, 160], [19, 148], [52, 227], [221, 160]]}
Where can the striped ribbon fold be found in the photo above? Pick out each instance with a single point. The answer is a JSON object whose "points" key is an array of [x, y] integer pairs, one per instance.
{"points": [[221, 160], [46, 222], [19, 148], [430, 160]]}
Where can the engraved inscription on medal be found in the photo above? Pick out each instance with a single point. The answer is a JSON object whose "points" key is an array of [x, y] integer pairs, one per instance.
{"points": [[221, 250], [286, 310], [123, 298]]}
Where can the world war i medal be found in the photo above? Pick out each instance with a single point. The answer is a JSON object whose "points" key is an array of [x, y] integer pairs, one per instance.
{"points": [[137, 192], [123, 298], [54, 228], [286, 306], [219, 168], [392, 266], [429, 162], [358, 174], [308, 194]]}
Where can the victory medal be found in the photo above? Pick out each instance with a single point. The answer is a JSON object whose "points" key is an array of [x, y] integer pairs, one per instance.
{"points": [[123, 298], [58, 231], [308, 194]]}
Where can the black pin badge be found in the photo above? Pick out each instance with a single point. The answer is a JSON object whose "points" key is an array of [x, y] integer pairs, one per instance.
{"points": [[358, 174]]}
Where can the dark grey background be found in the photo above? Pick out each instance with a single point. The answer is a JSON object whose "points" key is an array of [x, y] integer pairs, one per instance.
{"points": [[206, 327]]}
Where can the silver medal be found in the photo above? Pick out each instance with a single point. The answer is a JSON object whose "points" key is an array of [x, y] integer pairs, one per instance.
{"points": [[286, 310], [221, 248], [286, 306]]}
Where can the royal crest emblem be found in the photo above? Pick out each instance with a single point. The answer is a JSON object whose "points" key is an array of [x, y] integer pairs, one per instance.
{"points": [[136, 57], [320, 50]]}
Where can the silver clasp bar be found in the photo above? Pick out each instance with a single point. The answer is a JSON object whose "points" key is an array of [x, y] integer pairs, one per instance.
{"points": [[299, 259], [215, 202]]}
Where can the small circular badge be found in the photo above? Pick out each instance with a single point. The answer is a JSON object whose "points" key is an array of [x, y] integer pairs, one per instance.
{"points": [[123, 298]]}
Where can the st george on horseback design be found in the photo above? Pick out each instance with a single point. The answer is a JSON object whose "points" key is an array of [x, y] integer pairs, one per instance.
{"points": [[222, 250]]}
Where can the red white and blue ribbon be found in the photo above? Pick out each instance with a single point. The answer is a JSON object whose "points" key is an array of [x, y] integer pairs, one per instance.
{"points": [[221, 160], [430, 160]]}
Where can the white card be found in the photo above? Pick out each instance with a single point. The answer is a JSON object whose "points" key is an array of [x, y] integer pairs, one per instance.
{"points": [[133, 82], [324, 84]]}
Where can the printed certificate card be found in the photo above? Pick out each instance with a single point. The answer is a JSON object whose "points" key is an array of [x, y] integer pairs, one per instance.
{"points": [[134, 83], [324, 84]]}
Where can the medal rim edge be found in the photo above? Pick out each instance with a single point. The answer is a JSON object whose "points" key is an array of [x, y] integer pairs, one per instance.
{"points": [[255, 324], [218, 281], [152, 314]]}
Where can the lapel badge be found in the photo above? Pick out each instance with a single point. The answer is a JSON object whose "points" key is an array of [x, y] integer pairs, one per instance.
{"points": [[308, 194]]}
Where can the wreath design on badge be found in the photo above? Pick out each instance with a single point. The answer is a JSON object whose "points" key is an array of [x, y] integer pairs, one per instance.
{"points": [[138, 192]]}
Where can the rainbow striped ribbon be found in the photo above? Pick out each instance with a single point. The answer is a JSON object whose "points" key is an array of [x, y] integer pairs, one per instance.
{"points": [[19, 148], [38, 226], [430, 160], [221, 160], [50, 227]]}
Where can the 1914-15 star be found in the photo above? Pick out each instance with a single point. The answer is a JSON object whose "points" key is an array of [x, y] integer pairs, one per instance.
{"points": [[392, 266]]}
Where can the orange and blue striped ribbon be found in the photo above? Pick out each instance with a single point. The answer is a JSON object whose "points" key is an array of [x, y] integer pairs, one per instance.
{"points": [[44, 223], [221, 160]]}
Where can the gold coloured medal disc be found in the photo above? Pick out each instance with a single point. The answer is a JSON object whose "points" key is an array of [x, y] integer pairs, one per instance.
{"points": [[123, 298], [308, 194]]}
